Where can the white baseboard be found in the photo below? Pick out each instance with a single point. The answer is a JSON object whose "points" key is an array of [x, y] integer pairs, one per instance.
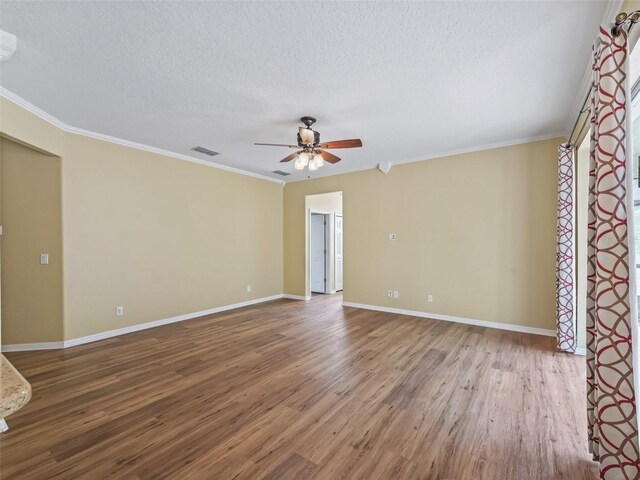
{"points": [[581, 351], [27, 347], [450, 318], [296, 297], [23, 347]]}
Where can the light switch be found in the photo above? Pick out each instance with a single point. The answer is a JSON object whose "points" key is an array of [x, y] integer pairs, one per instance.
{"points": [[44, 259], [392, 236]]}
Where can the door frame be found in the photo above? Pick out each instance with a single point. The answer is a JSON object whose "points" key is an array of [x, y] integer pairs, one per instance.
{"points": [[328, 271], [306, 225], [335, 257]]}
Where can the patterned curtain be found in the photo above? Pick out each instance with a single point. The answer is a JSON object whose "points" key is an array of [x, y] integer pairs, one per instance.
{"points": [[611, 305], [565, 269]]}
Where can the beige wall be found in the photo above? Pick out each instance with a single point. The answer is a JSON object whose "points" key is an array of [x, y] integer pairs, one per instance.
{"points": [[476, 231], [160, 236], [31, 220], [163, 237]]}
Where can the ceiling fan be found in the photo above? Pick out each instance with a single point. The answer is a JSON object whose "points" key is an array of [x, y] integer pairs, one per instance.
{"points": [[312, 153]]}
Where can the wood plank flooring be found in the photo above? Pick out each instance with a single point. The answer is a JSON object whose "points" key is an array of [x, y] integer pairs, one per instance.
{"points": [[302, 390]]}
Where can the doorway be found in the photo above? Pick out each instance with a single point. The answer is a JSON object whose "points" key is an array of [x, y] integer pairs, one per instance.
{"points": [[318, 251], [338, 253], [324, 243]]}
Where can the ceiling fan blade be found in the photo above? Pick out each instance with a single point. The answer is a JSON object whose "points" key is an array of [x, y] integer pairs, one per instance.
{"points": [[288, 158], [329, 157], [352, 143], [277, 145]]}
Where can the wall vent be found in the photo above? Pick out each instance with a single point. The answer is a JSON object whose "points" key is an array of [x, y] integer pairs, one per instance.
{"points": [[280, 172], [206, 151]]}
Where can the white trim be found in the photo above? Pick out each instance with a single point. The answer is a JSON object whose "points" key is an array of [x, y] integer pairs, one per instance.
{"points": [[21, 102], [444, 154], [449, 318], [296, 297], [23, 347], [31, 108], [27, 347], [327, 266], [12, 97], [580, 351], [8, 45]]}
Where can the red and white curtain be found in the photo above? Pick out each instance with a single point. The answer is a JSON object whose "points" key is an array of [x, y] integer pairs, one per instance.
{"points": [[611, 303], [565, 247]]}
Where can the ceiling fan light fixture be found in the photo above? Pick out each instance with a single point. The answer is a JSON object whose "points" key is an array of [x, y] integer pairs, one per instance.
{"points": [[318, 161], [301, 161], [311, 152], [306, 136]]}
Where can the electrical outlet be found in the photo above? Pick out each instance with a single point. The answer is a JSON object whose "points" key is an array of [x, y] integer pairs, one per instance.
{"points": [[119, 311], [395, 294], [248, 288], [429, 298], [44, 259], [390, 293], [392, 236]]}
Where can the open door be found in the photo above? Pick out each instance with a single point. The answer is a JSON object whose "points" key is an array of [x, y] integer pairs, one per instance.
{"points": [[338, 252], [318, 252]]}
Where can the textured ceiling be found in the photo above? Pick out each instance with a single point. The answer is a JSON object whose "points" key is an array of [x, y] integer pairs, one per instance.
{"points": [[411, 79]]}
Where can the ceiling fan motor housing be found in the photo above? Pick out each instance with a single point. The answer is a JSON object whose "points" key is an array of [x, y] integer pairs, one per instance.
{"points": [[308, 121], [316, 139]]}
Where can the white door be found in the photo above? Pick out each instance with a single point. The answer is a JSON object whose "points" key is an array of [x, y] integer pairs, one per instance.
{"points": [[317, 253], [338, 252]]}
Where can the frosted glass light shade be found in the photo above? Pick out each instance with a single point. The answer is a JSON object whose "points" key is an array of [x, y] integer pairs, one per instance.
{"points": [[306, 135], [318, 160], [312, 166], [301, 161]]}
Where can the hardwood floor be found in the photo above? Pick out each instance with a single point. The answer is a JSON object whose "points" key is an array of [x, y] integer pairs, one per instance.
{"points": [[302, 390]]}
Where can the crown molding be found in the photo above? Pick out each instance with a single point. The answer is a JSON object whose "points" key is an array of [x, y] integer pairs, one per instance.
{"points": [[480, 148], [31, 108], [21, 102], [444, 154]]}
